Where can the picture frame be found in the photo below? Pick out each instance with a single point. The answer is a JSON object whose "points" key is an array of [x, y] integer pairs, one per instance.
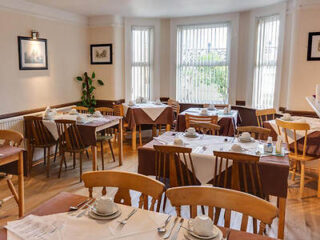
{"points": [[100, 54], [33, 53], [313, 46]]}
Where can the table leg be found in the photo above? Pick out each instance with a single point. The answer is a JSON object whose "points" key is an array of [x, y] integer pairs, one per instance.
{"points": [[21, 184], [134, 137], [120, 142], [168, 127], [282, 216], [29, 156], [94, 157]]}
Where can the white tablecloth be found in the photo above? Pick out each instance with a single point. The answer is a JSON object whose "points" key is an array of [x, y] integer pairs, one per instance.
{"points": [[203, 158], [151, 109], [219, 112], [313, 122]]}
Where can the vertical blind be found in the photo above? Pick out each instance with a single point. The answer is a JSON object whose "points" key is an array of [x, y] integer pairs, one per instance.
{"points": [[141, 62], [202, 70], [266, 61]]}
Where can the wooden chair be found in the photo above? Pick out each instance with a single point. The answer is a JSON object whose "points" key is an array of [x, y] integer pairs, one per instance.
{"points": [[265, 115], [200, 119], [70, 141], [174, 167], [298, 157], [258, 133], [126, 181], [81, 109], [206, 128], [39, 137], [176, 110], [12, 138], [105, 136], [242, 168], [230, 200]]}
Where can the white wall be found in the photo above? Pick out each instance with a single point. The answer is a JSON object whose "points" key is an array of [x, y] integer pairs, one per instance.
{"points": [[67, 58]]}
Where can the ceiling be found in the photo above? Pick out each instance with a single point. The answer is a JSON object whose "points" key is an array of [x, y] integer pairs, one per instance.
{"points": [[153, 8]]}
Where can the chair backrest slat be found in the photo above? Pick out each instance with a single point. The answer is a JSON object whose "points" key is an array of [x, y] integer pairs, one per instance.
{"points": [[118, 110], [200, 119], [38, 133], [81, 109], [206, 128], [105, 111], [263, 114], [10, 137]]}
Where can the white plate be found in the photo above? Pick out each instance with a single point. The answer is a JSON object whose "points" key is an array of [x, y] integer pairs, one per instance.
{"points": [[96, 212], [216, 233], [97, 217], [251, 139], [287, 120], [188, 135]]}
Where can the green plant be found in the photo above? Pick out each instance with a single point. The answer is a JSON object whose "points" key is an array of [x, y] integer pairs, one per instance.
{"points": [[87, 99]]}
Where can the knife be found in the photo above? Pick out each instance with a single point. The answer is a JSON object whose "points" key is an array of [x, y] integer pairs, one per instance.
{"points": [[176, 233], [167, 235]]}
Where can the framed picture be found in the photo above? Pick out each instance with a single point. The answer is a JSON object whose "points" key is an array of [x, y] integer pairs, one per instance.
{"points": [[32, 53], [101, 53], [314, 46]]}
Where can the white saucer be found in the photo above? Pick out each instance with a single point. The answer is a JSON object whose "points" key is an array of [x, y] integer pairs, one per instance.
{"points": [[96, 212], [216, 233], [188, 135], [97, 217], [287, 120], [251, 139]]}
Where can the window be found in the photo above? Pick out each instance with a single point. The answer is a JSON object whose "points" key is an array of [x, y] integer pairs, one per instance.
{"points": [[141, 64], [202, 74], [265, 69]]}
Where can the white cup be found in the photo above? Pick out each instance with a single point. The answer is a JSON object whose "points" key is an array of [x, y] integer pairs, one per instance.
{"points": [[225, 110], [191, 130], [245, 135], [131, 103], [287, 116], [204, 111], [73, 111], [178, 141], [105, 205], [158, 101], [211, 106], [202, 226]]}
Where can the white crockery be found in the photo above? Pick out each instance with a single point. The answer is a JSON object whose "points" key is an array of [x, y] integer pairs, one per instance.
{"points": [[211, 107], [204, 111], [236, 147], [202, 225], [97, 114], [105, 205], [191, 131], [178, 141], [245, 136], [73, 112]]}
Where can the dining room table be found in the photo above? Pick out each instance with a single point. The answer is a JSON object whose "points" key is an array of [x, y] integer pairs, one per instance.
{"points": [[88, 129], [273, 169], [228, 122], [142, 225], [313, 137], [10, 154], [147, 114]]}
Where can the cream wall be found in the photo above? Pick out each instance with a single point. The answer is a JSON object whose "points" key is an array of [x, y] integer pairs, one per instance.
{"points": [[67, 58]]}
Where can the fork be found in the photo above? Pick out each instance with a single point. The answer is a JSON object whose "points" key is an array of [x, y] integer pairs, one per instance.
{"points": [[124, 221]]}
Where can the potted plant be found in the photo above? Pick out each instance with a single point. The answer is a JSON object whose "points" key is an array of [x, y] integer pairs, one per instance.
{"points": [[87, 99]]}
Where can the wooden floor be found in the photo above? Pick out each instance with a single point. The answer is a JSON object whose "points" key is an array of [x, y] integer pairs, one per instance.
{"points": [[302, 216]]}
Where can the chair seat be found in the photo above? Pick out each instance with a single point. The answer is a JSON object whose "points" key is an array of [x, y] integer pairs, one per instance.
{"points": [[300, 157], [102, 138]]}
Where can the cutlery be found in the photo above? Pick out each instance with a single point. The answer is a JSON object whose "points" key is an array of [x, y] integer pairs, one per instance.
{"points": [[75, 208], [124, 221], [76, 213], [167, 235], [163, 229], [176, 233], [89, 206]]}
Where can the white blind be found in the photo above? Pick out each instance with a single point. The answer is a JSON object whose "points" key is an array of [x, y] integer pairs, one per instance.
{"points": [[141, 63], [202, 74], [266, 61]]}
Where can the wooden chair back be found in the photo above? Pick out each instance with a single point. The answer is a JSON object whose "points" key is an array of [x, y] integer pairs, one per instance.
{"points": [[118, 110], [230, 200], [105, 110], [200, 119], [175, 106], [37, 132], [10, 137], [258, 133], [242, 168], [81, 109], [175, 164], [69, 136], [206, 128], [265, 115], [294, 126], [126, 181]]}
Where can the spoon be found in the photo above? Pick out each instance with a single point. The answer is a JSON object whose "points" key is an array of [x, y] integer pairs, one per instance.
{"points": [[163, 229], [75, 208]]}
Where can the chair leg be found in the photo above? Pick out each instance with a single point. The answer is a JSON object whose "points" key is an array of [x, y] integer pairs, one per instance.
{"points": [[140, 135], [87, 153], [102, 158], [294, 170], [164, 203], [44, 155], [302, 179], [55, 152], [61, 162], [48, 163], [30, 158], [12, 189], [80, 166], [111, 149], [160, 129], [74, 160]]}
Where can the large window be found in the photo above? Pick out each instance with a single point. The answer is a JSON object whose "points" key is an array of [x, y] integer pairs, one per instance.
{"points": [[265, 70], [202, 74], [142, 61]]}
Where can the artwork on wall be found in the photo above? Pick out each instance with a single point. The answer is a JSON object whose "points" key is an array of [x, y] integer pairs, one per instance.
{"points": [[32, 53], [101, 53], [314, 46]]}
